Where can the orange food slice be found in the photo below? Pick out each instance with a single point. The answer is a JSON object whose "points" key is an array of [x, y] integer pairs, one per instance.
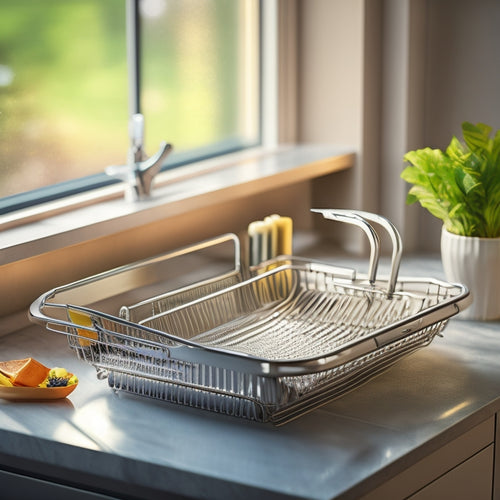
{"points": [[24, 372]]}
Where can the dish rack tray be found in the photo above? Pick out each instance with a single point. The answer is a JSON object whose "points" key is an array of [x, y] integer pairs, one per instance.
{"points": [[268, 343]]}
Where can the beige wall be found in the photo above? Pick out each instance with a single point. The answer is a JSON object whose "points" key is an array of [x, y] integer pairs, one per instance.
{"points": [[387, 76], [335, 102], [462, 77], [463, 66]]}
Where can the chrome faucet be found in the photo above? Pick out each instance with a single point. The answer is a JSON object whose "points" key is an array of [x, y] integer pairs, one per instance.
{"points": [[140, 170]]}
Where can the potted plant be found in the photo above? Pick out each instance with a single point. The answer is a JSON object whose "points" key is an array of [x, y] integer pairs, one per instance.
{"points": [[461, 186]]}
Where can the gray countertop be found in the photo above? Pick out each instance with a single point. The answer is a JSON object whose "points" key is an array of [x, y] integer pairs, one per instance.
{"points": [[140, 448]]}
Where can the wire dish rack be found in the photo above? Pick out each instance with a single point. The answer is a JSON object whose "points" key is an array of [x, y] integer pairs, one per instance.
{"points": [[267, 344]]}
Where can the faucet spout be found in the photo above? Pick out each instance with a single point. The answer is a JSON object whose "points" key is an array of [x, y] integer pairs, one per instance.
{"points": [[140, 170]]}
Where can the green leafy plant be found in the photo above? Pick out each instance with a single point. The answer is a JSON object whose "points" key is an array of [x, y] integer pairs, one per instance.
{"points": [[460, 186]]}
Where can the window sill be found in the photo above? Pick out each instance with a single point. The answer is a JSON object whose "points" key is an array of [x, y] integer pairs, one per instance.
{"points": [[82, 218]]}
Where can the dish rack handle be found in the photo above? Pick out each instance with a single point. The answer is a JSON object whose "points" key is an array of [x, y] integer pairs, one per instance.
{"points": [[211, 242], [360, 218], [47, 301]]}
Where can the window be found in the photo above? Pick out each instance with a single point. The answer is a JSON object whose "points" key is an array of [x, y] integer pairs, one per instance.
{"points": [[200, 74], [64, 91]]}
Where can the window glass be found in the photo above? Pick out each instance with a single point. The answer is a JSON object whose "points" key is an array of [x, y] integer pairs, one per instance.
{"points": [[64, 89], [200, 73]]}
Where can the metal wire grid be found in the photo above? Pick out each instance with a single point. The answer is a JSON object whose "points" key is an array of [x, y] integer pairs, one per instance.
{"points": [[292, 314], [137, 367], [143, 362]]}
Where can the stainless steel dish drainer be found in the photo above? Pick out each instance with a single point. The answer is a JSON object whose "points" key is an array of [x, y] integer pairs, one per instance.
{"points": [[268, 344]]}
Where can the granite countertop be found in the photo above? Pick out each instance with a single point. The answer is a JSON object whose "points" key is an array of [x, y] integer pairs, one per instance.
{"points": [[140, 448]]}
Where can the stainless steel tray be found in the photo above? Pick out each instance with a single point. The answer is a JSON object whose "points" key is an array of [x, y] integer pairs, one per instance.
{"points": [[268, 345]]}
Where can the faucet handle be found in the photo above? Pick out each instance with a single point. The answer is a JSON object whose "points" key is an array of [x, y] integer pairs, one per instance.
{"points": [[150, 167]]}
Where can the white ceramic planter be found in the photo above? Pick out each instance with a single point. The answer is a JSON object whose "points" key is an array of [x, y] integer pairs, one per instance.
{"points": [[474, 262]]}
